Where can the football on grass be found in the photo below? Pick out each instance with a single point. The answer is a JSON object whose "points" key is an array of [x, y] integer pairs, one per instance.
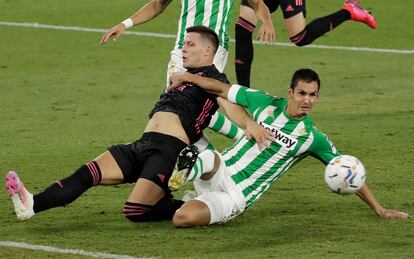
{"points": [[345, 174]]}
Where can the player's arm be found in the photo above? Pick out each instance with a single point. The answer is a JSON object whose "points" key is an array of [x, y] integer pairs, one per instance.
{"points": [[324, 150], [249, 98], [239, 116], [149, 11], [267, 31], [365, 194], [208, 84], [236, 113]]}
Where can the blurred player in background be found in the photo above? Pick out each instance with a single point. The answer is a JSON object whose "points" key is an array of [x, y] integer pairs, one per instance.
{"points": [[213, 14], [294, 13], [230, 182]]}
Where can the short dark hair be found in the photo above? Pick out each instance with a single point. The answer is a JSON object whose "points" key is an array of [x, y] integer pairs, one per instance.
{"points": [[207, 33], [304, 74]]}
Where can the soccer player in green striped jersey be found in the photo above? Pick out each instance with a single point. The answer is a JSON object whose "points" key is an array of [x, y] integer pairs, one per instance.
{"points": [[215, 14], [230, 182]]}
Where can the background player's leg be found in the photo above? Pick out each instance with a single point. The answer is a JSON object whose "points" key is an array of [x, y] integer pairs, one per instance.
{"points": [[302, 35], [244, 28]]}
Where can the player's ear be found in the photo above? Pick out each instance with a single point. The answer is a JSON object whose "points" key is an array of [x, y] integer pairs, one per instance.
{"points": [[209, 51], [290, 91]]}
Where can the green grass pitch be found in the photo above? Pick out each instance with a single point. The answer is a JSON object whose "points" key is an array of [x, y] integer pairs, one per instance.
{"points": [[64, 99]]}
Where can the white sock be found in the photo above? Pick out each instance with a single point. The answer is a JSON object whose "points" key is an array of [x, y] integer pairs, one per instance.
{"points": [[204, 164]]}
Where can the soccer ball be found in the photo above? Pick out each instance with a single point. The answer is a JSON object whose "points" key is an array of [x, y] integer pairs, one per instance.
{"points": [[345, 174]]}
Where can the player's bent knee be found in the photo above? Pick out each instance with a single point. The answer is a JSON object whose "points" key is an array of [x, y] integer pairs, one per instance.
{"points": [[300, 44], [193, 213], [302, 39], [182, 219], [178, 219]]}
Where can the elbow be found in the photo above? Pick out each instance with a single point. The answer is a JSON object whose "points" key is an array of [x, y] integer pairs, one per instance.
{"points": [[161, 5]]}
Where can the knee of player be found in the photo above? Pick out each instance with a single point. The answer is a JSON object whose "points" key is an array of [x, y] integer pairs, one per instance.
{"points": [[300, 44], [301, 39], [182, 219]]}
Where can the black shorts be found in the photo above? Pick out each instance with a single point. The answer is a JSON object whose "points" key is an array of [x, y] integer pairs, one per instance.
{"points": [[152, 157], [289, 7]]}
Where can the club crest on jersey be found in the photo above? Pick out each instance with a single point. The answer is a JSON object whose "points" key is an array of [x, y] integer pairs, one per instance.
{"points": [[270, 113], [282, 139], [302, 132]]}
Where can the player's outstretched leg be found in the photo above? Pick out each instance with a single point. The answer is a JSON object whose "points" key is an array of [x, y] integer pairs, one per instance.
{"points": [[185, 162], [359, 14], [22, 199]]}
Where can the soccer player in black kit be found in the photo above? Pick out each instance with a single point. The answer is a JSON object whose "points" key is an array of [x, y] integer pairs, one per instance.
{"points": [[176, 121]]}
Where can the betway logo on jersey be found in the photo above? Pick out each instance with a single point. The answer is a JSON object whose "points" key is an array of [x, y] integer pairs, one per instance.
{"points": [[282, 139]]}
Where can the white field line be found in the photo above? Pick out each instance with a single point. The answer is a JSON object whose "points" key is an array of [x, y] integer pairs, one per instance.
{"points": [[52, 249], [160, 35]]}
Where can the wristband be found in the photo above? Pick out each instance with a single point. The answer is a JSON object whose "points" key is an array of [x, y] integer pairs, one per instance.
{"points": [[128, 23]]}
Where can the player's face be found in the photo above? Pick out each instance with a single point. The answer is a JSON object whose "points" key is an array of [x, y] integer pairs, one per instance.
{"points": [[302, 98], [194, 51]]}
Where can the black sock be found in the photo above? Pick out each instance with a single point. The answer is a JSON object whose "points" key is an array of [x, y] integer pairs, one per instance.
{"points": [[69, 189], [163, 210], [319, 27], [244, 51], [167, 206]]}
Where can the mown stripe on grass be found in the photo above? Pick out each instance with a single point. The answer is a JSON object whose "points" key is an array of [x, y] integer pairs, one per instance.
{"points": [[161, 35]]}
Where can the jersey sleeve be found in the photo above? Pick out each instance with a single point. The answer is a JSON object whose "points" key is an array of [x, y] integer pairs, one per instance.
{"points": [[249, 98], [323, 148]]}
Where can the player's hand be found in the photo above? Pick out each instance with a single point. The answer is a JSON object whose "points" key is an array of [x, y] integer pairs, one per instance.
{"points": [[114, 32], [177, 79], [267, 33], [393, 214], [260, 134]]}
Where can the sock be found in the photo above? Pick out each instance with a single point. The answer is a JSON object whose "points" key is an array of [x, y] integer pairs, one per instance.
{"points": [[221, 124], [319, 27], [163, 210], [204, 144], [244, 51], [69, 189], [204, 164]]}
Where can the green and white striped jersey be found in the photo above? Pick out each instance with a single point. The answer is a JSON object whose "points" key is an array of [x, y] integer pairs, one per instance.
{"points": [[255, 171], [215, 14]]}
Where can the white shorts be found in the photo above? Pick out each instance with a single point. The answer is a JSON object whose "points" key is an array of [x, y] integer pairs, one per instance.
{"points": [[176, 61], [221, 195]]}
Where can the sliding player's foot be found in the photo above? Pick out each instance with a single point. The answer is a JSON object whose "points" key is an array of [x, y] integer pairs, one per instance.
{"points": [[185, 162], [22, 199]]}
